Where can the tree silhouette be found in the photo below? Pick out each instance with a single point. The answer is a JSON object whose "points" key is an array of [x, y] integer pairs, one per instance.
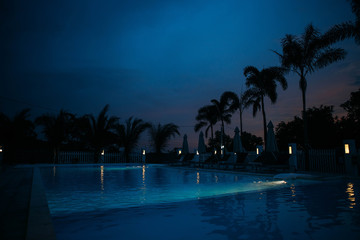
{"points": [[262, 84], [129, 133], [250, 141], [206, 117], [161, 134], [347, 29], [15, 134], [305, 54], [100, 131], [215, 142], [352, 106], [323, 129], [56, 129], [241, 107], [349, 126], [227, 105]]}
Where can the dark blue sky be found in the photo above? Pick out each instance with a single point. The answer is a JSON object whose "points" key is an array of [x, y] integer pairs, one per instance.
{"points": [[160, 60]]}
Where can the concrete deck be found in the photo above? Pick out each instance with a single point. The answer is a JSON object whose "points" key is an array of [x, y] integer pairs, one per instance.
{"points": [[24, 213]]}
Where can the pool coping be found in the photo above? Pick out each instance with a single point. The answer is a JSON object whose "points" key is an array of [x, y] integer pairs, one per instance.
{"points": [[39, 219]]}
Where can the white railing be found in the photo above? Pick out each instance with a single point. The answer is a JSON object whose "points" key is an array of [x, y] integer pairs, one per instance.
{"points": [[108, 157], [136, 158], [114, 157], [76, 157], [321, 160]]}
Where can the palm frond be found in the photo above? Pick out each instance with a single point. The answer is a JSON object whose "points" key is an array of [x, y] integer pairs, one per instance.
{"points": [[161, 134], [329, 56]]}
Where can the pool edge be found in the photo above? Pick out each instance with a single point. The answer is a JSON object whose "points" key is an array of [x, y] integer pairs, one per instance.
{"points": [[39, 219]]}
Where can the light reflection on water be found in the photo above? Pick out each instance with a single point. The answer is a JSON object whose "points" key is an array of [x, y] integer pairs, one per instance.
{"points": [[135, 186], [351, 194], [325, 210]]}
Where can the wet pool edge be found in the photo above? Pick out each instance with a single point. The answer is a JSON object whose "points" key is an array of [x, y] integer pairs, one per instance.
{"points": [[40, 224]]}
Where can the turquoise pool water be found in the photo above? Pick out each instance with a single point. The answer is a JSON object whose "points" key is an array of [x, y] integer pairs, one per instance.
{"points": [[142, 202]]}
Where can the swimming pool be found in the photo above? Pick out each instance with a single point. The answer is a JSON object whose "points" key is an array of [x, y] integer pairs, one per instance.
{"points": [[142, 202]]}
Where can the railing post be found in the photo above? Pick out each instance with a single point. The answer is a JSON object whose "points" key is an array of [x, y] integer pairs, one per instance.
{"points": [[293, 157], [143, 157], [351, 163]]}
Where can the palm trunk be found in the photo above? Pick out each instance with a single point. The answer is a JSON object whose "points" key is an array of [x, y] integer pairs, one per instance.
{"points": [[212, 132], [303, 86], [305, 121], [212, 137], [241, 123], [264, 119], [222, 136]]}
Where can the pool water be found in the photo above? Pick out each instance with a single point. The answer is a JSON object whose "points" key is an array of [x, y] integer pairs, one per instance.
{"points": [[139, 202]]}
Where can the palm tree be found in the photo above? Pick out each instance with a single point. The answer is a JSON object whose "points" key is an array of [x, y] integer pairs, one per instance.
{"points": [[206, 117], [261, 84], [100, 131], [305, 54], [161, 134], [56, 129], [347, 29], [129, 133], [227, 105], [242, 106]]}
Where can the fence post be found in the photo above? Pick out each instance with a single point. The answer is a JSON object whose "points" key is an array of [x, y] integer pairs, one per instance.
{"points": [[143, 156], [293, 157], [351, 167]]}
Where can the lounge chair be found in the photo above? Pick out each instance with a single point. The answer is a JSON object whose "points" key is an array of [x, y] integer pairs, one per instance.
{"points": [[271, 162], [240, 160], [211, 161], [188, 158], [227, 161]]}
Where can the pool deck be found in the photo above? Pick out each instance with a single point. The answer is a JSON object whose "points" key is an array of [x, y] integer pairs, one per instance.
{"points": [[24, 212]]}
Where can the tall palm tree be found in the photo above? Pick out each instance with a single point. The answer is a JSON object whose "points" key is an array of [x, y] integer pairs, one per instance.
{"points": [[262, 84], [100, 131], [305, 54], [227, 105], [56, 129], [161, 134], [347, 29], [130, 132], [206, 117]]}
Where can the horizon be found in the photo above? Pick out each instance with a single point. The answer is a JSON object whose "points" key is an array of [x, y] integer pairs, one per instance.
{"points": [[162, 61]]}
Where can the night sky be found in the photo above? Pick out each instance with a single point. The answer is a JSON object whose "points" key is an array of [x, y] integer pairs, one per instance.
{"points": [[161, 60]]}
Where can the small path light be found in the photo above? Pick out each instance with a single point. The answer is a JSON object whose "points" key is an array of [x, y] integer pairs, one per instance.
{"points": [[259, 149], [347, 148], [293, 157]]}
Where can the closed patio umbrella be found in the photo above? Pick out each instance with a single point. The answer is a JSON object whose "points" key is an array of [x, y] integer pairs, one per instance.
{"points": [[185, 146], [237, 142], [201, 144], [271, 145]]}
